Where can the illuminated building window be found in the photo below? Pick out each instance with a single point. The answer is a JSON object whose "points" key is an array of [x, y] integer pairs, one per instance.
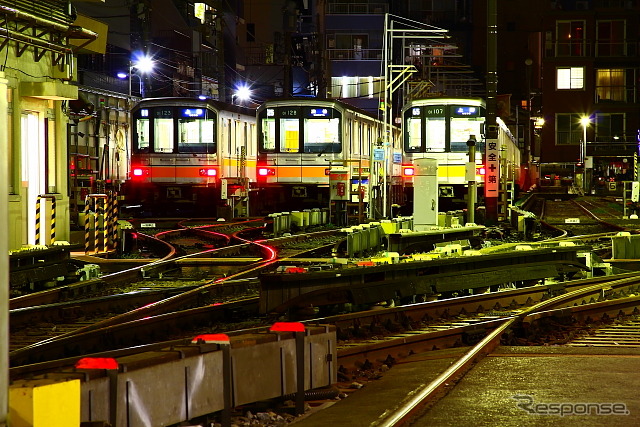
{"points": [[611, 85], [570, 78]]}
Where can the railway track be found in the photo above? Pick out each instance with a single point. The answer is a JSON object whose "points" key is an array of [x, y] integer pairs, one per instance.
{"points": [[582, 303], [177, 306]]}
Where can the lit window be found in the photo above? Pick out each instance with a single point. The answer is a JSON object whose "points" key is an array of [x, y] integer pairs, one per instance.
{"points": [[570, 78], [611, 85]]}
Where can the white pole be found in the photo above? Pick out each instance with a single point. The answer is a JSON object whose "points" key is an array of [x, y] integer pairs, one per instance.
{"points": [[4, 253]]}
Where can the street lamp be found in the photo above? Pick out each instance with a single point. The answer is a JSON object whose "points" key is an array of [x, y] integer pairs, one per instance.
{"points": [[584, 121], [242, 93], [142, 65]]}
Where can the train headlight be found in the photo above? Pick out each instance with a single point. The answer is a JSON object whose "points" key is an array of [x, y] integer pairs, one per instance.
{"points": [[408, 171], [139, 172], [210, 172], [266, 172]]}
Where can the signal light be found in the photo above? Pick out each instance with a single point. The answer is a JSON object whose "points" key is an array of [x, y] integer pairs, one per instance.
{"points": [[408, 171], [481, 170], [139, 172], [266, 171], [210, 172]]}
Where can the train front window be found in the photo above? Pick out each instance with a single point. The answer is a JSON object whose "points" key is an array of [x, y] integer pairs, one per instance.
{"points": [[163, 130], [268, 140], [196, 131], [322, 131], [413, 131], [435, 133], [289, 135], [142, 132], [465, 121]]}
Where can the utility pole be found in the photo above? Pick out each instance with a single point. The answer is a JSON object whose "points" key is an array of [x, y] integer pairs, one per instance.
{"points": [[471, 179], [491, 192]]}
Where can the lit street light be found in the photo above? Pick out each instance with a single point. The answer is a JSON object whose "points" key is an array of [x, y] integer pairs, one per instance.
{"points": [[584, 121], [243, 93], [142, 65]]}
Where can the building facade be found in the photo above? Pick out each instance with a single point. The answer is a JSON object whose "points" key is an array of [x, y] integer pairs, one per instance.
{"points": [[590, 92]]}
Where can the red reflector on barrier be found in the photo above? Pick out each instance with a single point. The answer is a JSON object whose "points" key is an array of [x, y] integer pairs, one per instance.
{"points": [[287, 327], [211, 339], [97, 363]]}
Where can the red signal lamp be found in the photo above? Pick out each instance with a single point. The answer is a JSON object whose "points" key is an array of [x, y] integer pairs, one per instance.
{"points": [[408, 171], [481, 170]]}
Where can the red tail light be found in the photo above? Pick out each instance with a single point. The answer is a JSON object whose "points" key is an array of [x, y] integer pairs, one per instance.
{"points": [[211, 172], [408, 171], [140, 172], [266, 171]]}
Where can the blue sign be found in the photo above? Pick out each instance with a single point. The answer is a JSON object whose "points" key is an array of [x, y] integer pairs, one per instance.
{"points": [[193, 112], [397, 157], [378, 154]]}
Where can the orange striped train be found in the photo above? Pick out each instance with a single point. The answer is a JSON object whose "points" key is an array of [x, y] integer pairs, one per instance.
{"points": [[191, 157], [301, 140]]}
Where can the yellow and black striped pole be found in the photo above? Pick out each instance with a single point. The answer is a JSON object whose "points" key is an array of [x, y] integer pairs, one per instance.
{"points": [[106, 223], [37, 242], [53, 219], [114, 221], [39, 217], [96, 226], [635, 166], [87, 228]]}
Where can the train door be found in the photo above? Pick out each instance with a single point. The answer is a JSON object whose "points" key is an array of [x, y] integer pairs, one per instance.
{"points": [[289, 159], [163, 161]]}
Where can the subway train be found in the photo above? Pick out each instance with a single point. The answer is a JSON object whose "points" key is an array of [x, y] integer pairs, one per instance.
{"points": [[302, 140], [190, 157], [440, 128]]}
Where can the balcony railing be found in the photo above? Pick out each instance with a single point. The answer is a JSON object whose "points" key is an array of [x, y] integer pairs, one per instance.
{"points": [[585, 48], [354, 55], [357, 8], [612, 148]]}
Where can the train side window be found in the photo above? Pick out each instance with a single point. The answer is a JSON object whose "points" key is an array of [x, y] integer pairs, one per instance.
{"points": [[141, 138], [289, 135]]}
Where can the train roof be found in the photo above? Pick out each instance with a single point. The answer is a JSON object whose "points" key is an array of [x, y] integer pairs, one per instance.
{"points": [[445, 100], [316, 101], [218, 105]]}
